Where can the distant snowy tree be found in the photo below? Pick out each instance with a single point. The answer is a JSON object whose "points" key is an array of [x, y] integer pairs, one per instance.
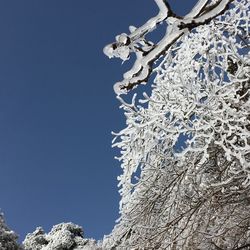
{"points": [[64, 236], [8, 239], [197, 196]]}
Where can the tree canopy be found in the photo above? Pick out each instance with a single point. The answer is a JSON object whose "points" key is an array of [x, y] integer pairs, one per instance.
{"points": [[185, 152]]}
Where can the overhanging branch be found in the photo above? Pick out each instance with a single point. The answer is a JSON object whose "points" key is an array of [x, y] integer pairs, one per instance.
{"points": [[147, 52]]}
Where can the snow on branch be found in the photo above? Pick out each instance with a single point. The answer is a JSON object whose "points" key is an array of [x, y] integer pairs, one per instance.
{"points": [[147, 52], [185, 151], [201, 4]]}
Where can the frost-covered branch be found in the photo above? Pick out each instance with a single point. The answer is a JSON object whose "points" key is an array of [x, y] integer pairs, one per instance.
{"points": [[147, 52], [197, 9], [185, 152]]}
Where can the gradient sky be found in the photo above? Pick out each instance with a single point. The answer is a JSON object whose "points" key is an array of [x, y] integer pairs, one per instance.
{"points": [[57, 110]]}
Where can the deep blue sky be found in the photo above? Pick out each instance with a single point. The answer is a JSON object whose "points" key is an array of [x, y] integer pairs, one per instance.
{"points": [[57, 110]]}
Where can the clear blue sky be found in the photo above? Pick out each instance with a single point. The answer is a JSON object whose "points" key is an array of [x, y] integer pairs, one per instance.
{"points": [[57, 110]]}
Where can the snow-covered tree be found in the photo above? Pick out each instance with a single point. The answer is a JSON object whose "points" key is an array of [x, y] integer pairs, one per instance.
{"points": [[185, 153], [8, 239], [64, 236]]}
